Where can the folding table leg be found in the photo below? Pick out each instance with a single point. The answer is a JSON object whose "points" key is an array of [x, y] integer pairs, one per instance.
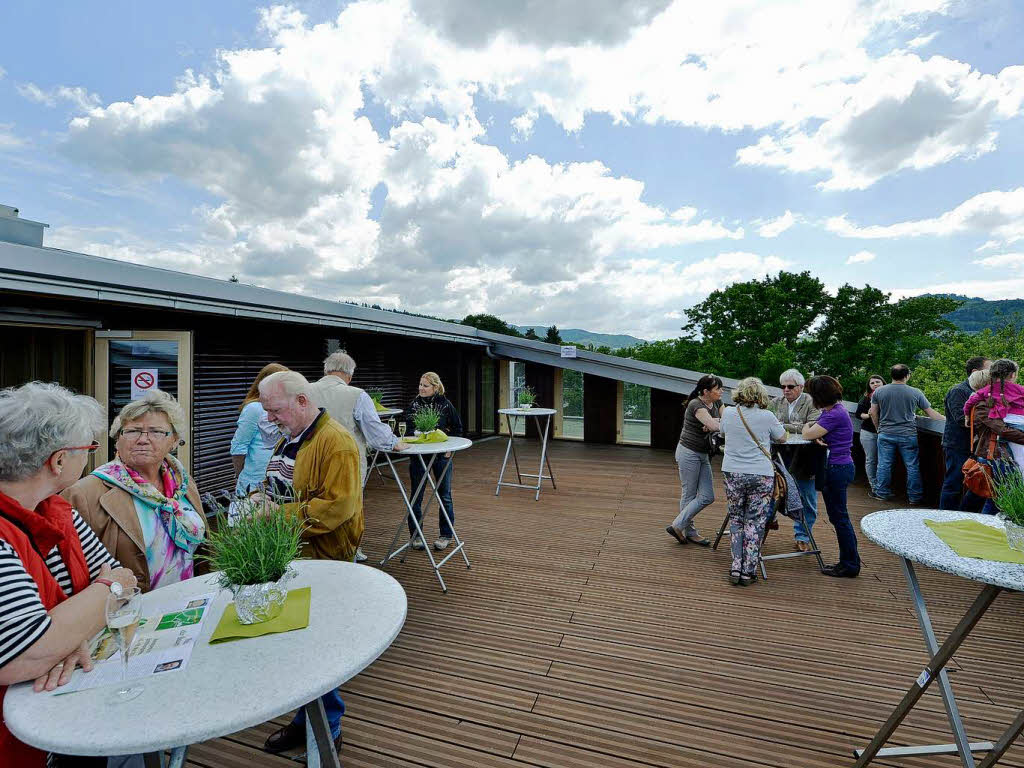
{"points": [[320, 752], [442, 510], [404, 549], [1004, 742], [721, 531]]}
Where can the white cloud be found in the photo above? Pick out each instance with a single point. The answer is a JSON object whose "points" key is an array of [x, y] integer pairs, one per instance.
{"points": [[8, 140], [775, 227], [997, 215], [905, 113], [921, 41], [77, 96], [1014, 261], [522, 125], [861, 257], [992, 290]]}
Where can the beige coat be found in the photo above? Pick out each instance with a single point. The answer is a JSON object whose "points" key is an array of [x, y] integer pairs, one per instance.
{"points": [[803, 412], [110, 512], [339, 400]]}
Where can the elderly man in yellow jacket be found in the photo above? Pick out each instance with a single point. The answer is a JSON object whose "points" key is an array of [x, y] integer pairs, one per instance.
{"points": [[316, 463]]}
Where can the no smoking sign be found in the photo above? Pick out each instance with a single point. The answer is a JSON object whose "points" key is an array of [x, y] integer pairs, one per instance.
{"points": [[143, 380]]}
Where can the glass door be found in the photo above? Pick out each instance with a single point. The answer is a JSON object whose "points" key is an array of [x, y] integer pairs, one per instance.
{"points": [[131, 363]]}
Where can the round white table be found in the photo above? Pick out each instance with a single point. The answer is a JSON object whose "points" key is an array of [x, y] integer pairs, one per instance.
{"points": [[511, 416], [432, 450], [355, 614], [903, 532], [387, 413]]}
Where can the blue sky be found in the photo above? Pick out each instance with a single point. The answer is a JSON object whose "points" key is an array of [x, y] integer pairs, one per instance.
{"points": [[602, 169]]}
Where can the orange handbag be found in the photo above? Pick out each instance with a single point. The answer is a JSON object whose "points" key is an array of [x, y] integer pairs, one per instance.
{"points": [[978, 470]]}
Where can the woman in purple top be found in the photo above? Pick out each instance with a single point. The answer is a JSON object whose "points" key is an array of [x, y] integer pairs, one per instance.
{"points": [[835, 429]]}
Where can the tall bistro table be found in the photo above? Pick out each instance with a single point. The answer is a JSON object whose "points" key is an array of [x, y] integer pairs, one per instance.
{"points": [[418, 452], [903, 532], [355, 613], [813, 551], [374, 464], [511, 416]]}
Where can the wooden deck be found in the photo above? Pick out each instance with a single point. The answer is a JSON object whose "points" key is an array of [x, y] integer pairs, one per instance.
{"points": [[585, 636]]}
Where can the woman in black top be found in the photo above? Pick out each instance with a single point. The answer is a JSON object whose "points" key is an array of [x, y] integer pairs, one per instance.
{"points": [[700, 420], [431, 393], [868, 433]]}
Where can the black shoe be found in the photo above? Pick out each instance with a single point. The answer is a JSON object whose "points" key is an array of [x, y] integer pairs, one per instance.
{"points": [[840, 571], [874, 495], [695, 538], [675, 535], [291, 736], [919, 503], [747, 579]]}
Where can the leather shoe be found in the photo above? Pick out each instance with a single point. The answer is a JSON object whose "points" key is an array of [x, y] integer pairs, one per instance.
{"points": [[291, 736], [675, 534], [695, 538], [840, 571]]}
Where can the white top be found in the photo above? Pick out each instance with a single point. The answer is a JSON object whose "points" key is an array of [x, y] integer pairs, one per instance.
{"points": [[903, 531], [425, 449], [355, 614], [528, 411], [742, 455]]}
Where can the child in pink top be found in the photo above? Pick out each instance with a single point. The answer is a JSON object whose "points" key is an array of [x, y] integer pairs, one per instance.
{"points": [[1007, 401]]}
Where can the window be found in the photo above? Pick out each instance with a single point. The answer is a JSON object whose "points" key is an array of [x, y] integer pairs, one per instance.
{"points": [[636, 414], [572, 404], [517, 380]]}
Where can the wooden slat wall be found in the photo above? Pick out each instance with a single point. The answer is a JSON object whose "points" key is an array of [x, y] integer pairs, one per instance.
{"points": [[542, 379], [585, 636], [666, 418], [599, 416]]}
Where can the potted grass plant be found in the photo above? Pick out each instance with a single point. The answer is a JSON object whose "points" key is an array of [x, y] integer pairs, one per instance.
{"points": [[1008, 495], [252, 554], [527, 397], [377, 395], [426, 419]]}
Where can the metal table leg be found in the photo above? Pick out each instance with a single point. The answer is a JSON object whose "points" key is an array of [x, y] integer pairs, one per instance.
{"points": [[320, 752], [1004, 742], [934, 669], [544, 459], [441, 510]]}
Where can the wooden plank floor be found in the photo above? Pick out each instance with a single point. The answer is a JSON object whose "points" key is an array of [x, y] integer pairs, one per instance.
{"points": [[585, 636]]}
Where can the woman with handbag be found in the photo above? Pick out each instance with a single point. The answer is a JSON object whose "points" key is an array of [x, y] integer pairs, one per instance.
{"points": [[693, 455], [749, 474], [835, 428]]}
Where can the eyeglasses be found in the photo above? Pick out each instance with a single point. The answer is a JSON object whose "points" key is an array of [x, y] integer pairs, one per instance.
{"points": [[91, 448], [152, 434], [790, 386]]}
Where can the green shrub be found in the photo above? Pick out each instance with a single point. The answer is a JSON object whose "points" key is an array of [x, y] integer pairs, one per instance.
{"points": [[1008, 483], [426, 419], [257, 548], [527, 396]]}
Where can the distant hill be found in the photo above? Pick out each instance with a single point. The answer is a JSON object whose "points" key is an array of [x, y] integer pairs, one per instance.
{"points": [[579, 336], [977, 314]]}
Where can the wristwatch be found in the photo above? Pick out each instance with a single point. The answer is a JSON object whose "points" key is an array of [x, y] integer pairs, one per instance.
{"points": [[114, 586]]}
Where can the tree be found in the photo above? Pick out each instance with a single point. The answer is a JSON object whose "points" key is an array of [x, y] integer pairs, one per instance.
{"points": [[491, 323], [678, 353], [945, 366], [738, 323], [532, 334], [553, 336]]}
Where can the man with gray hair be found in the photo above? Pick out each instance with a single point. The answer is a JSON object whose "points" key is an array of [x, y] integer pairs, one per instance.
{"points": [[354, 410], [794, 409]]}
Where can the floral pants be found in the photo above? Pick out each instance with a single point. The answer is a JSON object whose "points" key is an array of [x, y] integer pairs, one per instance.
{"points": [[749, 498]]}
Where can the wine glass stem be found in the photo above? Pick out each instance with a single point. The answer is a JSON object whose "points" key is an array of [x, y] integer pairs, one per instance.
{"points": [[124, 668]]}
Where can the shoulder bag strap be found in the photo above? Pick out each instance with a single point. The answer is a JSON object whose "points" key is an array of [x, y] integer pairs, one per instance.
{"points": [[753, 436]]}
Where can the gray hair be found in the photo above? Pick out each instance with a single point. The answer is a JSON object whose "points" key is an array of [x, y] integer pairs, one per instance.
{"points": [[979, 378], [38, 419], [339, 362], [792, 375], [292, 383], [154, 401]]}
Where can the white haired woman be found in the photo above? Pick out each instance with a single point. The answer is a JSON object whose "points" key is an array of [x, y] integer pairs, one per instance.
{"points": [[749, 428], [143, 505], [55, 575]]}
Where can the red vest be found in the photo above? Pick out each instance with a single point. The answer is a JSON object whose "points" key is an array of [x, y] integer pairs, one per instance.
{"points": [[29, 534]]}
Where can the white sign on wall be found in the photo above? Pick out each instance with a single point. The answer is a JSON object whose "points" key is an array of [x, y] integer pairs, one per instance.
{"points": [[144, 380], [568, 351]]}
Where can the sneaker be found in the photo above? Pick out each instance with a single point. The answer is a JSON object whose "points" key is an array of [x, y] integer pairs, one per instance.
{"points": [[442, 543], [360, 557], [417, 543]]}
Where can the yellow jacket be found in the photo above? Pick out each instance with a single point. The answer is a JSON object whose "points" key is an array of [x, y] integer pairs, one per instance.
{"points": [[329, 492]]}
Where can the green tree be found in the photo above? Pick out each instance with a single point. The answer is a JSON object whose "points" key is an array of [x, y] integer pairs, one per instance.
{"points": [[738, 323], [553, 336], [490, 323], [678, 353], [532, 334], [945, 366]]}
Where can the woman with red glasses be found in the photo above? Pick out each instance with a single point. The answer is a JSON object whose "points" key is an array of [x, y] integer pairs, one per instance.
{"points": [[55, 575]]}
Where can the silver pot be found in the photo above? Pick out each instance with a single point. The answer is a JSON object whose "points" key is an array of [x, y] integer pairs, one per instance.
{"points": [[1014, 535], [255, 603]]}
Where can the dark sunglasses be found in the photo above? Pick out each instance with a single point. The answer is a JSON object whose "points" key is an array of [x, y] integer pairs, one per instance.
{"points": [[790, 386]]}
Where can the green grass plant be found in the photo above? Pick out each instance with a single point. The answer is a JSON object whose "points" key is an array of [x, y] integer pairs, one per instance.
{"points": [[1008, 483], [257, 549], [527, 396], [426, 419], [376, 395]]}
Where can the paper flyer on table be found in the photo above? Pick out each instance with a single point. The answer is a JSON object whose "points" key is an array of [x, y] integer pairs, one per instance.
{"points": [[163, 644]]}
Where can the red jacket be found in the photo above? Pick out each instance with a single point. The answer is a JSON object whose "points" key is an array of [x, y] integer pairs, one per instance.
{"points": [[32, 534]]}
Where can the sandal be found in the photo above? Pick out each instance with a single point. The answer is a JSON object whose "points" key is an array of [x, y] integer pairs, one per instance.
{"points": [[747, 579], [734, 578]]}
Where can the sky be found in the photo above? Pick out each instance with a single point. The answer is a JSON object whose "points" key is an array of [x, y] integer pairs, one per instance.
{"points": [[598, 164]]}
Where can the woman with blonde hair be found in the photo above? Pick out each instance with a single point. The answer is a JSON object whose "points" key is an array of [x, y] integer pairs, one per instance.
{"points": [[143, 505], [255, 437], [749, 429], [431, 395]]}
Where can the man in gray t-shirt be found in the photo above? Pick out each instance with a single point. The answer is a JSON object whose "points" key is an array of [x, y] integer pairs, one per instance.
{"points": [[894, 412]]}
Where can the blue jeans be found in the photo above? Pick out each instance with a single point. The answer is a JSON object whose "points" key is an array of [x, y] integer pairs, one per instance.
{"points": [[444, 489], [952, 484], [906, 445], [837, 478], [698, 490], [809, 496], [333, 706], [869, 442]]}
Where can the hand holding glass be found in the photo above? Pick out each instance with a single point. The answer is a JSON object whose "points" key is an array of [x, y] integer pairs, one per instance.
{"points": [[123, 614]]}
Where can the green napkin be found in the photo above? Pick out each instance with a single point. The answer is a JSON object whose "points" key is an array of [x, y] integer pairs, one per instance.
{"points": [[437, 436], [379, 407], [295, 615], [969, 538]]}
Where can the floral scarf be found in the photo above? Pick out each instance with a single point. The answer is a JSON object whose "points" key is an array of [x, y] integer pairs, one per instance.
{"points": [[184, 526]]}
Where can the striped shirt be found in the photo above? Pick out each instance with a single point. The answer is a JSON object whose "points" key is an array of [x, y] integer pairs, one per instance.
{"points": [[281, 469], [23, 619]]}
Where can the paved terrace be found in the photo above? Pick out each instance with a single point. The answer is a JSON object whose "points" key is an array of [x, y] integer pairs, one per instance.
{"points": [[585, 636]]}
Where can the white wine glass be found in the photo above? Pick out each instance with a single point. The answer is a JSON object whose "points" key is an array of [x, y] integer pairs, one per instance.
{"points": [[392, 424], [123, 614], [402, 428]]}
